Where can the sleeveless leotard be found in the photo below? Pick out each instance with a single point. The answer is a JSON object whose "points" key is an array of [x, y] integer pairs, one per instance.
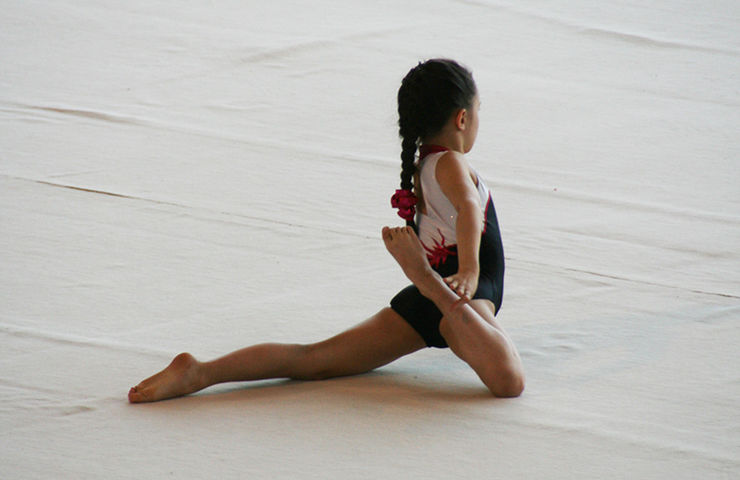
{"points": [[436, 227], [436, 231]]}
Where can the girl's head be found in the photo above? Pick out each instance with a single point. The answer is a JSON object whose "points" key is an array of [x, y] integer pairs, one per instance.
{"points": [[430, 94]]}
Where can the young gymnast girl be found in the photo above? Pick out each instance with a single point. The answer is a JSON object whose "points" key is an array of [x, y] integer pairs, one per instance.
{"points": [[450, 249]]}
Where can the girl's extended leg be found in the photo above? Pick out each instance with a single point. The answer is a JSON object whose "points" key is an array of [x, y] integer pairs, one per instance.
{"points": [[379, 340], [469, 328]]}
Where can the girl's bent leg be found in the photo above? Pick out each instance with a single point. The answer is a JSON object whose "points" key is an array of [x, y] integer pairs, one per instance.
{"points": [[469, 329], [379, 340], [474, 335]]}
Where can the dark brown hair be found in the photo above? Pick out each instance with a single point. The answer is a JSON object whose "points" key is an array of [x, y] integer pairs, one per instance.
{"points": [[428, 95]]}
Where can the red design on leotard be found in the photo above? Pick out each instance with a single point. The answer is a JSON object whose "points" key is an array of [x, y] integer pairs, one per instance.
{"points": [[440, 252]]}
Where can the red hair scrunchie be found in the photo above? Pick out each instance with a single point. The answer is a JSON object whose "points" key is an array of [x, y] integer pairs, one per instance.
{"points": [[404, 200]]}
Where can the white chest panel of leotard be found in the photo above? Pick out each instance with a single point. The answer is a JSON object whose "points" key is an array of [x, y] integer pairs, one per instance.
{"points": [[437, 225]]}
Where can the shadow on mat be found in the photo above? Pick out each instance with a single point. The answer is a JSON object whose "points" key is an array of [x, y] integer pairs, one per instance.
{"points": [[378, 387]]}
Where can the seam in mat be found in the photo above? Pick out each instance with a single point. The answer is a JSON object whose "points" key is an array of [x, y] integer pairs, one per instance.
{"points": [[626, 279], [67, 339], [97, 116], [325, 155], [188, 207], [251, 217], [579, 27]]}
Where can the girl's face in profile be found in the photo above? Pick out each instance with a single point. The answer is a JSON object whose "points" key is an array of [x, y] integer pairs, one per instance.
{"points": [[471, 128]]}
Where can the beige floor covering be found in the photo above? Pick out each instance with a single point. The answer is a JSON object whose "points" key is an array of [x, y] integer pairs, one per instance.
{"points": [[202, 176]]}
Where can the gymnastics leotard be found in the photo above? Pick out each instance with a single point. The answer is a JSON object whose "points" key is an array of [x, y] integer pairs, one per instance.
{"points": [[436, 231]]}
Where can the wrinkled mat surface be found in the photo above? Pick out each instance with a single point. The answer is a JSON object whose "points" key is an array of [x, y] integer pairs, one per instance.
{"points": [[201, 176]]}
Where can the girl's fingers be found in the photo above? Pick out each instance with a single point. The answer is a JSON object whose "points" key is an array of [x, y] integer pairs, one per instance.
{"points": [[459, 287]]}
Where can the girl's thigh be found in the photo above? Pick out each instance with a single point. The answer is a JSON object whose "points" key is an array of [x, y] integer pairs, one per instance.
{"points": [[379, 340]]}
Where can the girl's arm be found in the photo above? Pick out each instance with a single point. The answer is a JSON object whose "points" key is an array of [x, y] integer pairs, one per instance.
{"points": [[453, 176]]}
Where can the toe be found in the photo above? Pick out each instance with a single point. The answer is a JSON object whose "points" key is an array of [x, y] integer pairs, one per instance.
{"points": [[133, 395]]}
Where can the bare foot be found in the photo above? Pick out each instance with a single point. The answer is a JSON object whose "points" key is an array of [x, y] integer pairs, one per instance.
{"points": [[406, 248], [181, 377]]}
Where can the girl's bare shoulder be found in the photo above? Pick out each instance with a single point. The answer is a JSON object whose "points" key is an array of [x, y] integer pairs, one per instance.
{"points": [[452, 166]]}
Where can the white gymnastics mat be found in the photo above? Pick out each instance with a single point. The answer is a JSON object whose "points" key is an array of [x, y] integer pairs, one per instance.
{"points": [[201, 176]]}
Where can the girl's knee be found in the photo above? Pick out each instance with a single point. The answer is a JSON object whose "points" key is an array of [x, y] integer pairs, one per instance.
{"points": [[504, 381], [507, 383]]}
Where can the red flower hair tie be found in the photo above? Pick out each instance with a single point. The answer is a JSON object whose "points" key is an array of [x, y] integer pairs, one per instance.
{"points": [[404, 200]]}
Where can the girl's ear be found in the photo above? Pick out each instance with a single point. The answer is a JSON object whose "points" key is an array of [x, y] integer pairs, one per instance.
{"points": [[461, 119]]}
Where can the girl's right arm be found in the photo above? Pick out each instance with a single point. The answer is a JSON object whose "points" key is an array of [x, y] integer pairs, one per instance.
{"points": [[454, 178]]}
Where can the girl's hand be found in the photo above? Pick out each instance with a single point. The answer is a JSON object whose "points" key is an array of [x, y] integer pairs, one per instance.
{"points": [[464, 283]]}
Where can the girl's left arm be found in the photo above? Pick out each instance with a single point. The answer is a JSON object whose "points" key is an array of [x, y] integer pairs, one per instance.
{"points": [[453, 176]]}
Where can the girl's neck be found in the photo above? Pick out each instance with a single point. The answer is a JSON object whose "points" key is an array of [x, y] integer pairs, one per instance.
{"points": [[449, 141]]}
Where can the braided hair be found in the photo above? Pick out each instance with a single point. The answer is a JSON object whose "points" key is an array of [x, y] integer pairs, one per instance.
{"points": [[428, 95]]}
